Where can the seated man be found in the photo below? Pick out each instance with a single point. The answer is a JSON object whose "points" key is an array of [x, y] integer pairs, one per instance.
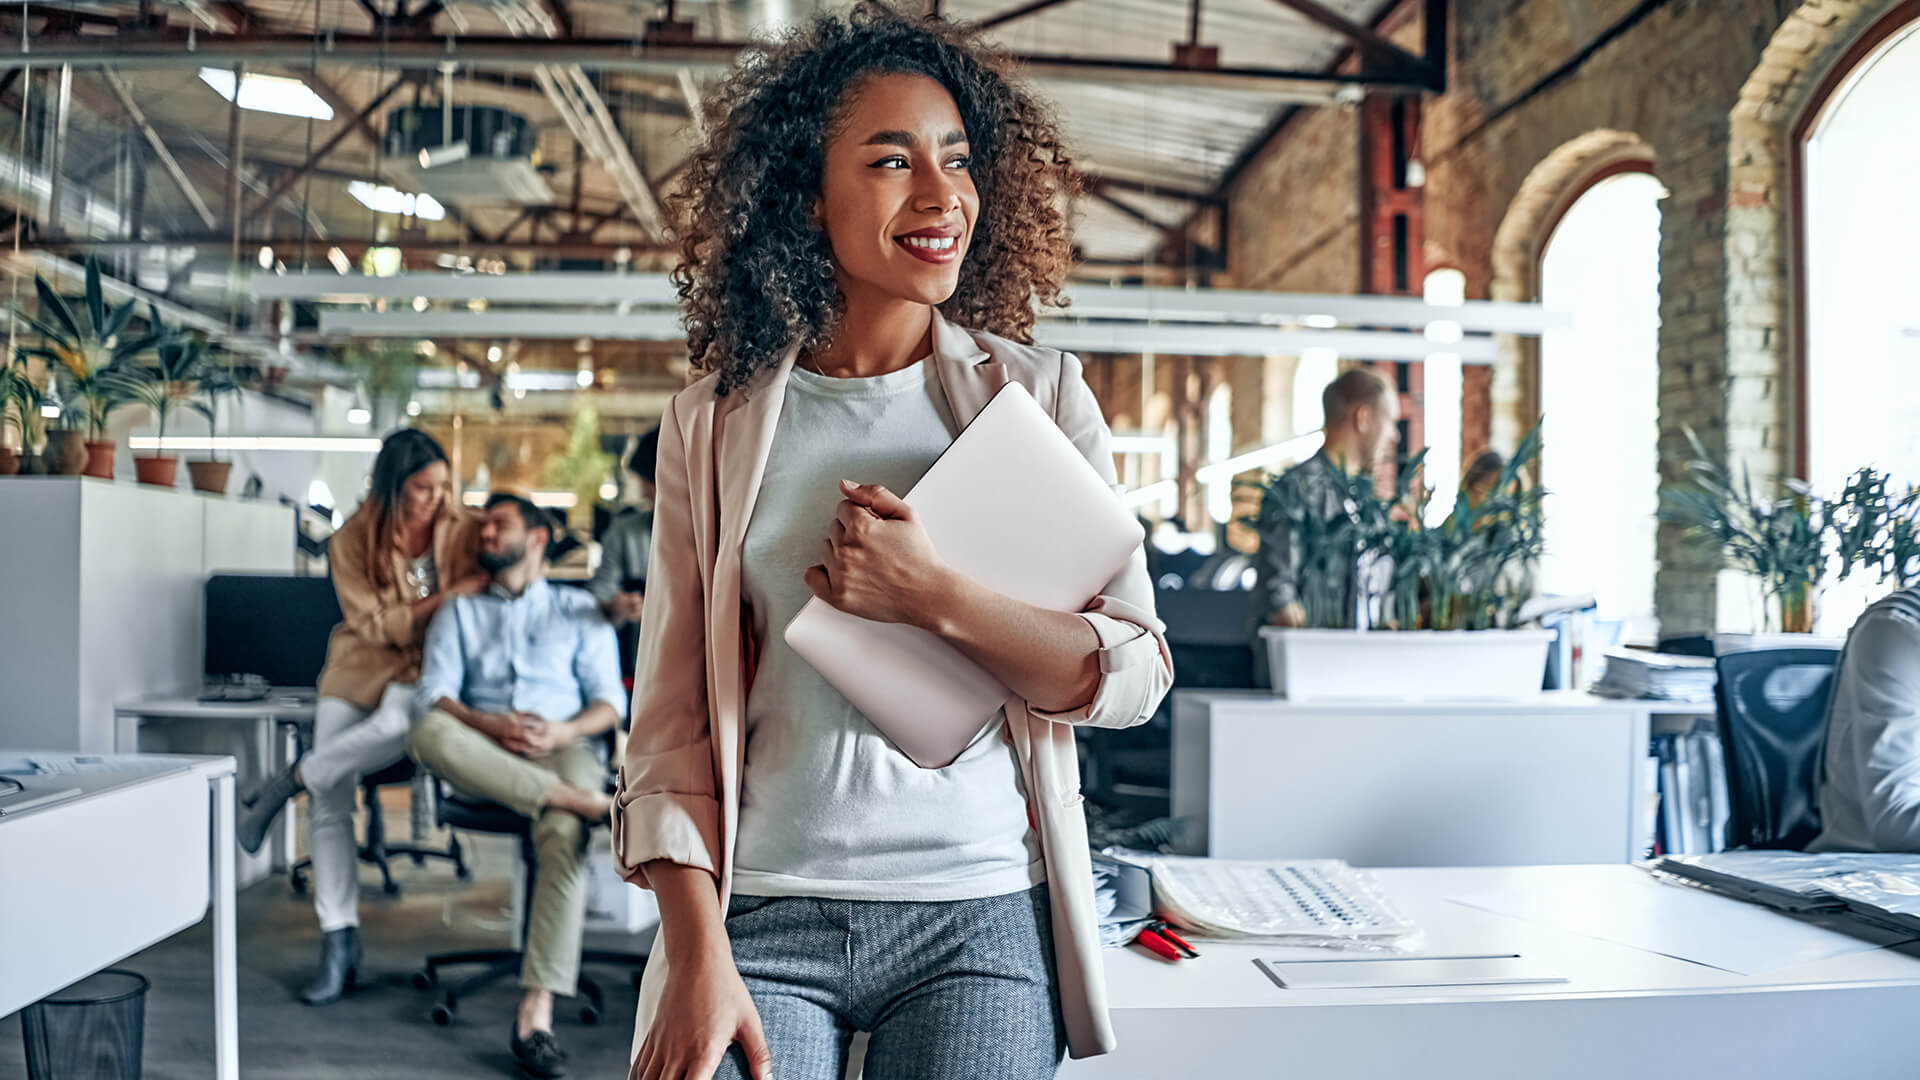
{"points": [[518, 685], [1870, 780]]}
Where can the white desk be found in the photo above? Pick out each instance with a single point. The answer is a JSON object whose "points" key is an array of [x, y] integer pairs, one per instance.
{"points": [[145, 851], [1624, 1012], [250, 730], [1554, 779]]}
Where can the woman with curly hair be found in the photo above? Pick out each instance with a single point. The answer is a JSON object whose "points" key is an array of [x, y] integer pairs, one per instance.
{"points": [[864, 236]]}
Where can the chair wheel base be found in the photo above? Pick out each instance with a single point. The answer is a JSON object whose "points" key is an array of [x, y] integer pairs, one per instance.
{"points": [[442, 1014], [391, 888], [298, 882], [424, 980], [589, 1014]]}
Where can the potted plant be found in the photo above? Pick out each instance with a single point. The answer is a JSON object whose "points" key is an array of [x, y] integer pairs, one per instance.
{"points": [[1783, 541], [20, 403], [1446, 594], [83, 355], [216, 380], [171, 379]]}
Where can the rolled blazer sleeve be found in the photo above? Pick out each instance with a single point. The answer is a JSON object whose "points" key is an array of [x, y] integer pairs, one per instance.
{"points": [[364, 607], [1136, 667], [665, 805]]}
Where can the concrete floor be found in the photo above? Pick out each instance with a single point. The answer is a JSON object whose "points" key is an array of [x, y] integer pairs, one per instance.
{"points": [[383, 1030]]}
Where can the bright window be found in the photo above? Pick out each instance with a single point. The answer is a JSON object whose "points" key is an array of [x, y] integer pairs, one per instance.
{"points": [[1862, 228], [1599, 395]]}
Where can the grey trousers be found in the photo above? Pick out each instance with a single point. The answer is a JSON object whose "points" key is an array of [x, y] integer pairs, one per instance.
{"points": [[949, 990]]}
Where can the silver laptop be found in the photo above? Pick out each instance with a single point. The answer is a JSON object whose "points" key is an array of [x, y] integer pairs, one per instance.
{"points": [[1011, 504]]}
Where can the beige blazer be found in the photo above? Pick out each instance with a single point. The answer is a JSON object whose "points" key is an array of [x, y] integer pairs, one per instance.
{"points": [[679, 788], [378, 641]]}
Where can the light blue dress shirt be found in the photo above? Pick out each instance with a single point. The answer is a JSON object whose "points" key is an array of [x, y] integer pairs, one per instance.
{"points": [[548, 651]]}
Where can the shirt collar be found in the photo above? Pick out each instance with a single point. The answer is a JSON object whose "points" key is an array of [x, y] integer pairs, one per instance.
{"points": [[535, 591]]}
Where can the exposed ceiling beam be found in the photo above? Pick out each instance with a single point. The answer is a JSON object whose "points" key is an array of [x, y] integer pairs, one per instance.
{"points": [[1133, 212], [1021, 12], [569, 249], [1146, 187], [171, 164], [625, 54], [1369, 41], [288, 180]]}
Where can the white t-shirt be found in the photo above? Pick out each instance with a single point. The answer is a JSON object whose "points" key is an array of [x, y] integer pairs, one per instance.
{"points": [[828, 806]]}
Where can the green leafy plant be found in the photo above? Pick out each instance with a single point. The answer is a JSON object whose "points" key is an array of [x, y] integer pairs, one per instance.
{"points": [[1785, 541], [170, 381], [82, 348], [20, 404], [388, 368], [217, 380], [584, 466], [1467, 573]]}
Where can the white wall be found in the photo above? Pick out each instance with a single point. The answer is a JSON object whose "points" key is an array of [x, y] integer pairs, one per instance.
{"points": [[101, 597]]}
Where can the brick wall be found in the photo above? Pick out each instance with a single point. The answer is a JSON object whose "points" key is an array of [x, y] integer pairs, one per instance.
{"points": [[1544, 93]]}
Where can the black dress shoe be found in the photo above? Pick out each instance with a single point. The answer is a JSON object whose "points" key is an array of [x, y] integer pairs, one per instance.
{"points": [[539, 1054], [339, 967]]}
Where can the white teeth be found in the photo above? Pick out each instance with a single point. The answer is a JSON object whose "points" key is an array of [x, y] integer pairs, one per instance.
{"points": [[931, 243]]}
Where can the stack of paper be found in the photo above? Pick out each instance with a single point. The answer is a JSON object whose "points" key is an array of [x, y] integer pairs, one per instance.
{"points": [[1881, 889], [1632, 673]]}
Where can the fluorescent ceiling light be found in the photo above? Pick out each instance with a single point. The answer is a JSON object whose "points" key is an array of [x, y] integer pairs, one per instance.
{"points": [[359, 416], [1138, 497], [1298, 448], [387, 200], [269, 93], [335, 444]]}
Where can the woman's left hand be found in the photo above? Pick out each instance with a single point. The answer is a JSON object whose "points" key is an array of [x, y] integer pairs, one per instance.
{"points": [[878, 562]]}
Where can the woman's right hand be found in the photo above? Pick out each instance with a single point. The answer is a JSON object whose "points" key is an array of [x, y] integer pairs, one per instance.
{"points": [[704, 1010]]}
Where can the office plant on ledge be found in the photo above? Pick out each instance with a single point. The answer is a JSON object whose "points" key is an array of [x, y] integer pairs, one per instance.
{"points": [[170, 381], [20, 402], [217, 380], [1792, 540], [83, 351], [1437, 588]]}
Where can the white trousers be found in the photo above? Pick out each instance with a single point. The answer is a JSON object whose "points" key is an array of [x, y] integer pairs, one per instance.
{"points": [[348, 741]]}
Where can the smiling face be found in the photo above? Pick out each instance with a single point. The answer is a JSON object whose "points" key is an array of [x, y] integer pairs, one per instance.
{"points": [[896, 198], [420, 499]]}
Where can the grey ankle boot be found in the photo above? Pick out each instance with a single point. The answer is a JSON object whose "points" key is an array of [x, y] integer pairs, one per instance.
{"points": [[339, 967], [258, 811]]}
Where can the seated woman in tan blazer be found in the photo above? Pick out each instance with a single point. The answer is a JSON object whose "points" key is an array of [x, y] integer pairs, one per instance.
{"points": [[395, 562]]}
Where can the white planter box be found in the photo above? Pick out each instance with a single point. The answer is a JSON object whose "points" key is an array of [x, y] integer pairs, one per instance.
{"points": [[1412, 665]]}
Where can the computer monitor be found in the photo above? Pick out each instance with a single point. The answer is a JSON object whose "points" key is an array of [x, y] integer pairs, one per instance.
{"points": [[275, 626]]}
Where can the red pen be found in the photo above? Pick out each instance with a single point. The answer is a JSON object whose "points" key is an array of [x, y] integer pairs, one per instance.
{"points": [[1166, 931], [1157, 945]]}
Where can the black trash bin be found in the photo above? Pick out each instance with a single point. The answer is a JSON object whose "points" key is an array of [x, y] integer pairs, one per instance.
{"points": [[92, 1030]]}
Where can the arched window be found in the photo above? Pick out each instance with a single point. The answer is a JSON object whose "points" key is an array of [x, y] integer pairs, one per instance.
{"points": [[1442, 394], [1860, 228], [1317, 368], [1599, 397]]}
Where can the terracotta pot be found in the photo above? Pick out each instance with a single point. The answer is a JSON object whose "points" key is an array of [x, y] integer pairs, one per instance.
{"points": [[99, 459], [9, 462], [157, 471], [66, 453], [210, 476]]}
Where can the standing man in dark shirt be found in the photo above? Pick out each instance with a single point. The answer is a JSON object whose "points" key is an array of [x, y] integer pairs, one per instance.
{"points": [[1361, 416], [623, 547]]}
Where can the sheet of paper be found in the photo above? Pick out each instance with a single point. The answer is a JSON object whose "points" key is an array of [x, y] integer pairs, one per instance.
{"points": [[1407, 971], [1683, 923]]}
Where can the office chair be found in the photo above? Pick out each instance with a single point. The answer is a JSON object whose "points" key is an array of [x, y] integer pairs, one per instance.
{"points": [[278, 626], [1688, 645], [1771, 705], [457, 811], [376, 850]]}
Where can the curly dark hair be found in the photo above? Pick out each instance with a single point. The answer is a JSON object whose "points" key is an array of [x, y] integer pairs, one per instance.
{"points": [[755, 273]]}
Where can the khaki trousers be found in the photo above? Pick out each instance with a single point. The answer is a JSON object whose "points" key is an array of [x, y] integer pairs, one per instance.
{"points": [[481, 767]]}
